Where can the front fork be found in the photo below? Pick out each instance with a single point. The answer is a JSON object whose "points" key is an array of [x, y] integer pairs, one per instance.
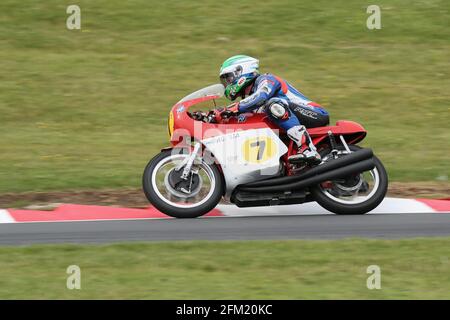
{"points": [[188, 162]]}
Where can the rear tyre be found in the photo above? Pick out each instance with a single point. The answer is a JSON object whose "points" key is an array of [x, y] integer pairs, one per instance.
{"points": [[161, 181], [329, 199]]}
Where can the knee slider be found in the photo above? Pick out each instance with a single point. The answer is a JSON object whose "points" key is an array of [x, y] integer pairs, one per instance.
{"points": [[278, 109]]}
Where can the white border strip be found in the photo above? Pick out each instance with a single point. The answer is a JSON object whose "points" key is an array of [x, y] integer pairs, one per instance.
{"points": [[388, 206], [5, 217], [398, 205]]}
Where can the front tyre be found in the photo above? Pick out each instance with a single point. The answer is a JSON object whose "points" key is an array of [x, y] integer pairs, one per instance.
{"points": [[356, 194], [176, 197]]}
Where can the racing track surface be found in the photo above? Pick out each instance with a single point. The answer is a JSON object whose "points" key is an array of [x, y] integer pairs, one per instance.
{"points": [[230, 228]]}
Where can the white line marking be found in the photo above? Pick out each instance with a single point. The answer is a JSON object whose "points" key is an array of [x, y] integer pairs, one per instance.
{"points": [[93, 220], [396, 205], [5, 217], [388, 206]]}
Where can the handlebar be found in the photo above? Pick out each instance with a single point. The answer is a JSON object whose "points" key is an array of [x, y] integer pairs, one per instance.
{"points": [[211, 116], [214, 115]]}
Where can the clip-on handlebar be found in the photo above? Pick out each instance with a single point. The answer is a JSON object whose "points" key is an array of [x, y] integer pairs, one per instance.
{"points": [[213, 116]]}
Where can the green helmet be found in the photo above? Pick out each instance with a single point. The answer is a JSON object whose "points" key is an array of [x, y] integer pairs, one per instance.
{"points": [[236, 73]]}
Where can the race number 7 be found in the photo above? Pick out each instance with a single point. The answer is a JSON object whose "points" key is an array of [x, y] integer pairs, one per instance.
{"points": [[262, 146]]}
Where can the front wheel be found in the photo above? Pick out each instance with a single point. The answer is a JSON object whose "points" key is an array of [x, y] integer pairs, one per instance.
{"points": [[177, 197], [356, 194]]}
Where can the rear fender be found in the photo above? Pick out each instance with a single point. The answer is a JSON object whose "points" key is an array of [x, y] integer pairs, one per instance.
{"points": [[350, 138], [351, 131]]}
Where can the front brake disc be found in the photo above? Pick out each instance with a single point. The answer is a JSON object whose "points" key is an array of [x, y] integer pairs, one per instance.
{"points": [[191, 184]]}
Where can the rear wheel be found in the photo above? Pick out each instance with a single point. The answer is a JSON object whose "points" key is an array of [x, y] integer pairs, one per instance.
{"points": [[177, 197], [356, 194]]}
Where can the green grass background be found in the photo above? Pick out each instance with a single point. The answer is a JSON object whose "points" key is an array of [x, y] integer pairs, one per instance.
{"points": [[88, 108], [410, 269]]}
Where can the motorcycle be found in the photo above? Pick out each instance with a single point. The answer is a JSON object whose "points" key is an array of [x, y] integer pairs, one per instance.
{"points": [[243, 159]]}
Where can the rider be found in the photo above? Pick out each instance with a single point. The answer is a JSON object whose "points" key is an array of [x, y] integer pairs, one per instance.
{"points": [[272, 95]]}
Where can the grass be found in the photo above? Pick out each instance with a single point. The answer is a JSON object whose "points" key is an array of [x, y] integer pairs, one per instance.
{"points": [[297, 269], [87, 108]]}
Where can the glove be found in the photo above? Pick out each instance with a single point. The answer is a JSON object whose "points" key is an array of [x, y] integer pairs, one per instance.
{"points": [[225, 113], [230, 111]]}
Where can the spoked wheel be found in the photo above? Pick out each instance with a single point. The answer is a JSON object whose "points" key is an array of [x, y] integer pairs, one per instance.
{"points": [[192, 197], [355, 194]]}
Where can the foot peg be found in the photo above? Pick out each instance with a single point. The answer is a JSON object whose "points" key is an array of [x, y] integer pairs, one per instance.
{"points": [[309, 157]]}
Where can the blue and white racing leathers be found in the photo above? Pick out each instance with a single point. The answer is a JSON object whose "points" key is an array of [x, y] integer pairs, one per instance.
{"points": [[269, 89]]}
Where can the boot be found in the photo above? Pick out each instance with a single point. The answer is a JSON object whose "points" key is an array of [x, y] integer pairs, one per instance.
{"points": [[301, 137]]}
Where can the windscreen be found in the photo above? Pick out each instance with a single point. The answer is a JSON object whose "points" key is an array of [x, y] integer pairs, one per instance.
{"points": [[213, 90]]}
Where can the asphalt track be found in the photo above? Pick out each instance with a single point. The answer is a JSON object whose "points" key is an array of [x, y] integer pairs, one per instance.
{"points": [[389, 226]]}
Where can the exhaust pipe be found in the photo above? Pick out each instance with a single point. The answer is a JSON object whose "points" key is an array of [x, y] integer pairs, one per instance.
{"points": [[343, 172], [354, 157]]}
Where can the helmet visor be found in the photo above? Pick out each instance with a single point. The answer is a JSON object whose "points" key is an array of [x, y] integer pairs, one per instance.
{"points": [[227, 78], [230, 77]]}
